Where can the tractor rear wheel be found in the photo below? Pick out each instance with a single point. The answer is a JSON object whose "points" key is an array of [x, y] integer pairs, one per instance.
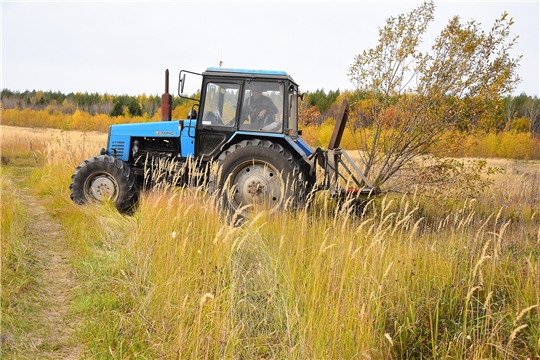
{"points": [[104, 178], [257, 175]]}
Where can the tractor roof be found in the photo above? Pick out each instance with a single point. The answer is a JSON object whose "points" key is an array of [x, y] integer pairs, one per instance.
{"points": [[249, 73]]}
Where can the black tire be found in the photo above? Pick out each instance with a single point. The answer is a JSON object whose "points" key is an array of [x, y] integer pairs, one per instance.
{"points": [[102, 178], [257, 175]]}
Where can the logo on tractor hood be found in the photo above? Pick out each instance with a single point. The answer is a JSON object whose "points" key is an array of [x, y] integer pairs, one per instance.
{"points": [[164, 132]]}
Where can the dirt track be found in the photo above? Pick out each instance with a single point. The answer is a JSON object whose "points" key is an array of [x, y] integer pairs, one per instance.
{"points": [[51, 334]]}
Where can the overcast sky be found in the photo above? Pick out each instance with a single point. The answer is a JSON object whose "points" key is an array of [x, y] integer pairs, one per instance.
{"points": [[125, 47]]}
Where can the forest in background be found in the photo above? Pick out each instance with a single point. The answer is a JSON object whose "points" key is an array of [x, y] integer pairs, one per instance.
{"points": [[511, 129]]}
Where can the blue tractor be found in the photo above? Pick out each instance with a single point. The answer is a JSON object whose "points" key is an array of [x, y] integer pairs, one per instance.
{"points": [[241, 140]]}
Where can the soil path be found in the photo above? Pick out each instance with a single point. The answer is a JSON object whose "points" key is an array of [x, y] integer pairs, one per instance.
{"points": [[52, 334]]}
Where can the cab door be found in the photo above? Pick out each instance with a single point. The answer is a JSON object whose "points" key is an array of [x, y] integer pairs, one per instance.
{"points": [[218, 115]]}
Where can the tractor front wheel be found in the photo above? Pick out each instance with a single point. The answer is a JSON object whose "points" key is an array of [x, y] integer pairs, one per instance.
{"points": [[257, 175], [104, 178]]}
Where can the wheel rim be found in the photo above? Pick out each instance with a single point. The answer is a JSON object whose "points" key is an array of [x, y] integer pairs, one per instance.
{"points": [[101, 186], [256, 184]]}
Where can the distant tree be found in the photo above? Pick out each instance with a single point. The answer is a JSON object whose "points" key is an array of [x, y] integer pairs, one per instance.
{"points": [[135, 109], [322, 100], [118, 108], [40, 98], [531, 109], [524, 106], [417, 97], [308, 115]]}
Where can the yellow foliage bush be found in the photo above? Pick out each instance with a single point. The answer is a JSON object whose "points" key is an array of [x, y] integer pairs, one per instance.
{"points": [[515, 145], [310, 135], [520, 125], [507, 144], [325, 132], [511, 145], [181, 111], [319, 136]]}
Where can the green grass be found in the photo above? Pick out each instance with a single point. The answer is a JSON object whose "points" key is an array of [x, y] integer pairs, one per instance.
{"points": [[19, 272], [414, 277]]}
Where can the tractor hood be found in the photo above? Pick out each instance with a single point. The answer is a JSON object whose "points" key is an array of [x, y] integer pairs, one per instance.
{"points": [[121, 135], [153, 129]]}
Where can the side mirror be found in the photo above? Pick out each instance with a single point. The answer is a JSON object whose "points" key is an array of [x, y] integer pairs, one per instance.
{"points": [[181, 81], [302, 96]]}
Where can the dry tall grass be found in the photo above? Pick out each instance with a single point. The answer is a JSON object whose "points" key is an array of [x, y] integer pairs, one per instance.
{"points": [[414, 277], [36, 146]]}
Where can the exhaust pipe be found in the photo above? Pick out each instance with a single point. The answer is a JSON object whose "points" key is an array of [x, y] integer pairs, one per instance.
{"points": [[166, 101]]}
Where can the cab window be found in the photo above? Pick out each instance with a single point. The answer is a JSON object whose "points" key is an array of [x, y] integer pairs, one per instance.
{"points": [[262, 108], [220, 104]]}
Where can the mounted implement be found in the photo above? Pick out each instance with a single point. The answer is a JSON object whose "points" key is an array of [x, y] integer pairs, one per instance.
{"points": [[241, 140]]}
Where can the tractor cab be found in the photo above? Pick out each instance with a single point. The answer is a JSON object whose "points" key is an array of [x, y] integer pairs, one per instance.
{"points": [[244, 104]]}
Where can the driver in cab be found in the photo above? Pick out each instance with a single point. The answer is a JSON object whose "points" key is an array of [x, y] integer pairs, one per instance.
{"points": [[259, 109]]}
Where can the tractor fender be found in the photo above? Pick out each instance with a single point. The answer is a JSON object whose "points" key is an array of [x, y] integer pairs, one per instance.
{"points": [[299, 148]]}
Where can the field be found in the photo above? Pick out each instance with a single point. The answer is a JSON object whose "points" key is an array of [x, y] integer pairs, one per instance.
{"points": [[414, 277]]}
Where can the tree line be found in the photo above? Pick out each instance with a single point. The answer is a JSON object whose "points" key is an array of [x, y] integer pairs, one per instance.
{"points": [[517, 113], [92, 103], [520, 113]]}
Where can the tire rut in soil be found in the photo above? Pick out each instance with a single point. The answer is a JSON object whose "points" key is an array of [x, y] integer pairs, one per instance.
{"points": [[52, 334]]}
